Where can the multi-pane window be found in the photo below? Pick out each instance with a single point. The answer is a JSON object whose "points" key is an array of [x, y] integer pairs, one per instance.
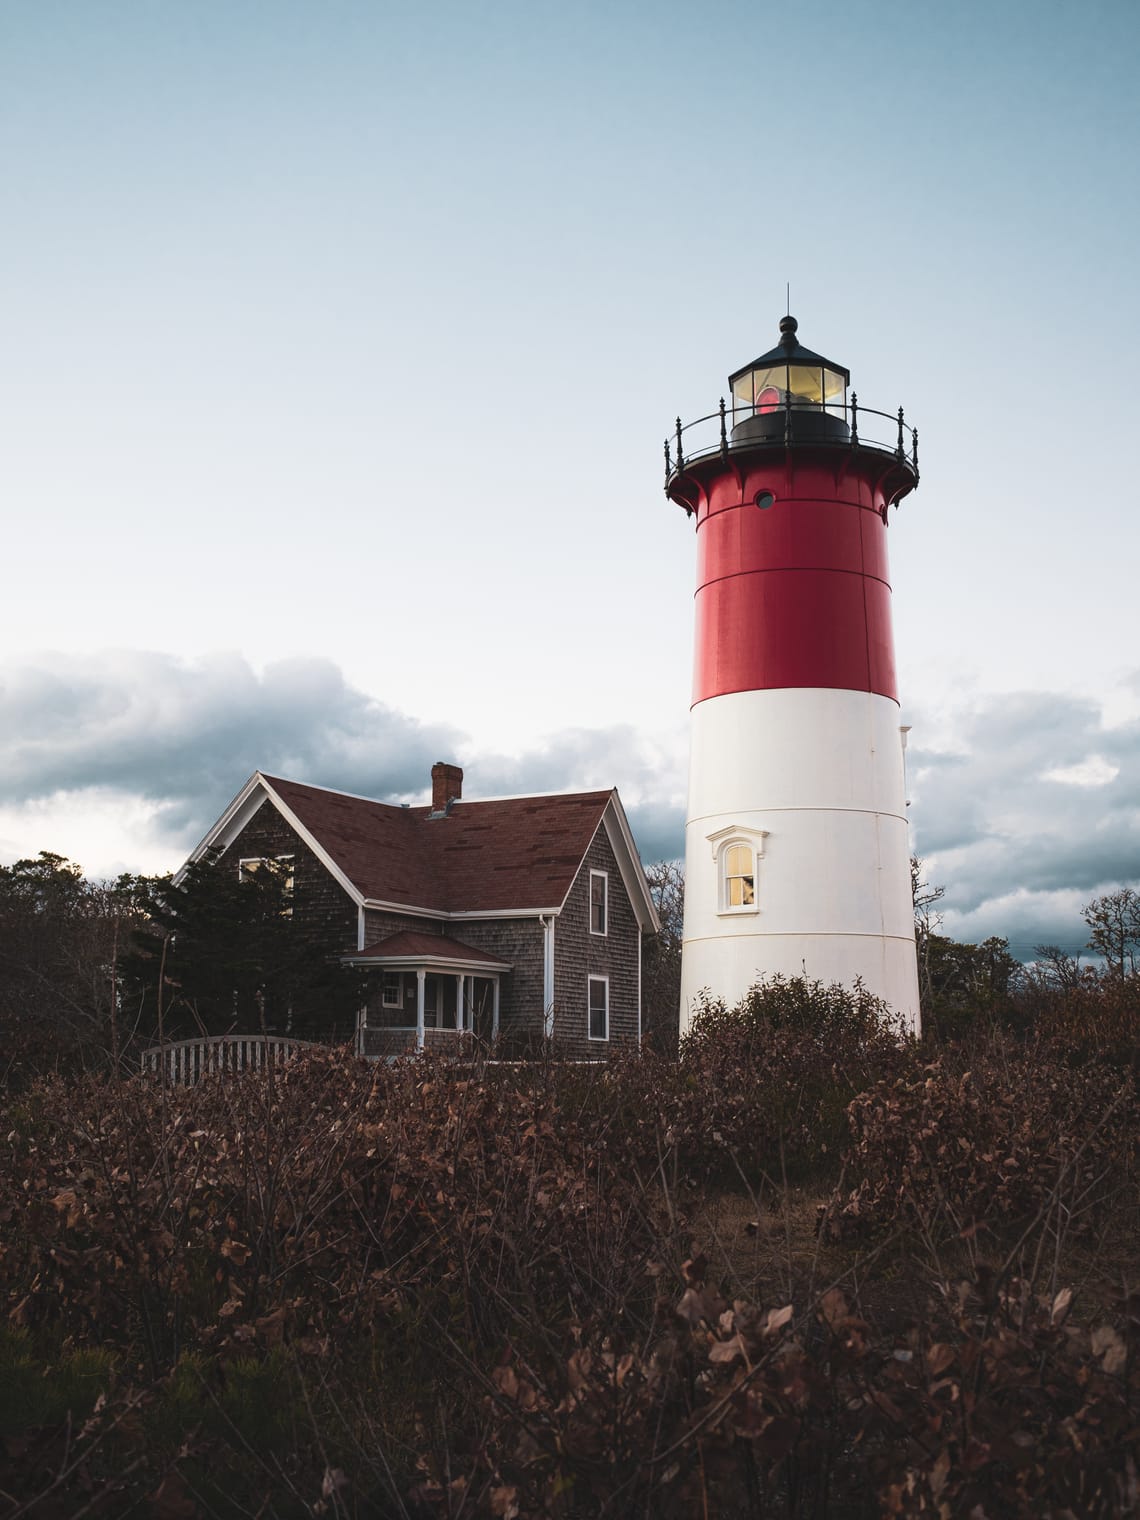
{"points": [[599, 891], [281, 864], [599, 1007], [739, 876], [393, 990]]}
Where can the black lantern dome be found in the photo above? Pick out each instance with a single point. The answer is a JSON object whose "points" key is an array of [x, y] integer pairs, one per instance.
{"points": [[790, 393]]}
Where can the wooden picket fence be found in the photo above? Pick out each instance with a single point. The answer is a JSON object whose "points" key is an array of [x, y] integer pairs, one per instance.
{"points": [[186, 1061]]}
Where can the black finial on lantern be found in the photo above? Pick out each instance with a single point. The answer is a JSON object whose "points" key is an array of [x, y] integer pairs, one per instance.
{"points": [[788, 326]]}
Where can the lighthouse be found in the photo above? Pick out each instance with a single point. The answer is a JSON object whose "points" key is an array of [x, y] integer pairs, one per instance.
{"points": [[797, 855]]}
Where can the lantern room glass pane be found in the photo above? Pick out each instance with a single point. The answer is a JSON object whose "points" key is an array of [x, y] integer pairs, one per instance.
{"points": [[760, 391], [805, 384], [834, 386], [742, 396], [770, 385], [835, 393]]}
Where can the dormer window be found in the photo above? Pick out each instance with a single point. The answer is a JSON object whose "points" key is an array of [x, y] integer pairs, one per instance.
{"points": [[737, 853]]}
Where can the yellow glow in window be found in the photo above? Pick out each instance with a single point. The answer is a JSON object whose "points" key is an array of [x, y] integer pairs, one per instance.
{"points": [[739, 876]]}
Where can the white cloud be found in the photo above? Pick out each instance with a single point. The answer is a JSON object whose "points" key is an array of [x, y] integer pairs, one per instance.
{"points": [[123, 759], [1025, 806], [1095, 771], [1034, 812]]}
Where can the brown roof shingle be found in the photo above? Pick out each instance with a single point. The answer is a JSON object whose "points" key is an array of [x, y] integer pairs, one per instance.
{"points": [[513, 854], [408, 944]]}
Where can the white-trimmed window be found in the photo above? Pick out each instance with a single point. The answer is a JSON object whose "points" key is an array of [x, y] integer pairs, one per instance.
{"points": [[249, 865], [737, 852], [739, 875], [392, 990], [599, 1008], [599, 901]]}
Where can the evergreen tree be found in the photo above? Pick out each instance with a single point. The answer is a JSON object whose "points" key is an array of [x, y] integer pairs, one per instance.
{"points": [[60, 936], [223, 954]]}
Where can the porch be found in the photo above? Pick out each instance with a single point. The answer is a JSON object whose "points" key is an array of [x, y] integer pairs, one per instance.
{"points": [[427, 991]]}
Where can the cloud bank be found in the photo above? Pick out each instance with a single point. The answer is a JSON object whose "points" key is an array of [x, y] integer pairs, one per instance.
{"points": [[1028, 808], [181, 737], [1024, 807]]}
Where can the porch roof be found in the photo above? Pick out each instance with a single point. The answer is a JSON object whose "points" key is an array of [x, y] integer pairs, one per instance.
{"points": [[409, 949]]}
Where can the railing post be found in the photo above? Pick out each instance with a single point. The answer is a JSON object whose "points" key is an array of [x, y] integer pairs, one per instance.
{"points": [[854, 420], [914, 439], [723, 430], [680, 453], [668, 462], [787, 416], [900, 451]]}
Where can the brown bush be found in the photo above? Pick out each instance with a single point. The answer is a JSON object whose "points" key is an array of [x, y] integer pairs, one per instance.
{"points": [[1098, 1017], [430, 1290], [761, 1089], [996, 1143]]}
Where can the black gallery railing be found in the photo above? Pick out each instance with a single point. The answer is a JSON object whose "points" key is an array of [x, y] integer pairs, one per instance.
{"points": [[687, 445]]}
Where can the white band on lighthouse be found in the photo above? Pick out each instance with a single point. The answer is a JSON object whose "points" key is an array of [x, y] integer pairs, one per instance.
{"points": [[815, 776]]}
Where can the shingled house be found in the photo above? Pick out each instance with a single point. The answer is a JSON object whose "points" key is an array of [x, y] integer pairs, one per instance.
{"points": [[520, 916]]}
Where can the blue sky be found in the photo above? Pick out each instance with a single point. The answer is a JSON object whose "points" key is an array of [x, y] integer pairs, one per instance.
{"points": [[340, 341]]}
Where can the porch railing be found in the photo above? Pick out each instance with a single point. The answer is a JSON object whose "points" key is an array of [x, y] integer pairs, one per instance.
{"points": [[186, 1061]]}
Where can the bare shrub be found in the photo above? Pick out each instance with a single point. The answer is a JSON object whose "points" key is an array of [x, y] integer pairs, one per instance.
{"points": [[993, 1143]]}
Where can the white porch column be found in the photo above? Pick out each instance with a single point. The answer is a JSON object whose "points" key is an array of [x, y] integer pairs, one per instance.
{"points": [[547, 975], [421, 974], [495, 1008]]}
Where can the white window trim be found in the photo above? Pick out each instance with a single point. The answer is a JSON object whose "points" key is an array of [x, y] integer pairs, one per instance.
{"points": [[598, 1039], [398, 990], [605, 877], [722, 841]]}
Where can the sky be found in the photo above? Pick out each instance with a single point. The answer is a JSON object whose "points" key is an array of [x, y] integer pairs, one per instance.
{"points": [[340, 341]]}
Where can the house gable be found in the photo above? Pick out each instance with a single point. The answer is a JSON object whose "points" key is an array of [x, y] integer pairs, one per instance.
{"points": [[323, 911], [237, 817], [580, 955]]}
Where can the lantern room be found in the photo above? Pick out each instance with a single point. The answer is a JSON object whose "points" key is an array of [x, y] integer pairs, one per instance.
{"points": [[789, 392]]}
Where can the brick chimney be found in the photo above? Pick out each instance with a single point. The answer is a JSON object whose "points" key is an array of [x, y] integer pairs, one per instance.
{"points": [[446, 786]]}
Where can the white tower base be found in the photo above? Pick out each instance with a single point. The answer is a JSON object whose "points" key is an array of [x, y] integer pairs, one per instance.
{"points": [[831, 888]]}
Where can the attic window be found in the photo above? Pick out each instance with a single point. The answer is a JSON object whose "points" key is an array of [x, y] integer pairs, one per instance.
{"points": [[599, 901], [282, 865]]}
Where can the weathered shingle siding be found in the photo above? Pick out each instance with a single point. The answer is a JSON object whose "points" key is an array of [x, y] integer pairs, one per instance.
{"points": [[578, 955], [518, 942], [322, 908], [380, 923]]}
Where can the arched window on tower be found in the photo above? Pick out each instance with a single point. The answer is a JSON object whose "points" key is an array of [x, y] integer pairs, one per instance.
{"points": [[739, 876], [737, 852]]}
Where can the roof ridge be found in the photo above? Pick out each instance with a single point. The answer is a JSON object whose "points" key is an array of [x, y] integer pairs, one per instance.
{"points": [[336, 791]]}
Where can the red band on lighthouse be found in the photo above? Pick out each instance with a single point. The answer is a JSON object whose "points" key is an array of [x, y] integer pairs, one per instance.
{"points": [[794, 593]]}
